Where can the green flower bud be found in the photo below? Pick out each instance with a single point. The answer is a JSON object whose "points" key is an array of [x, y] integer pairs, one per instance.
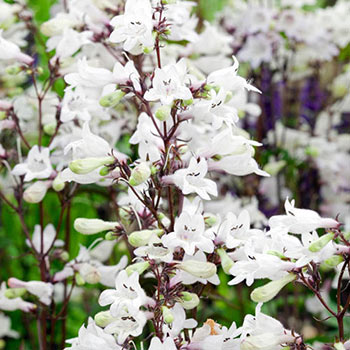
{"points": [[274, 168], [139, 174], [103, 318], [92, 226], [163, 113], [141, 238], [187, 102], [321, 242], [110, 236], [210, 220], [167, 315], [271, 289], [139, 267], [312, 152], [104, 171], [58, 184], [226, 261], [64, 256], [334, 260], [50, 128], [189, 300], [2, 344], [79, 280], [13, 293], [13, 70], [86, 165], [200, 269], [147, 50], [112, 99]]}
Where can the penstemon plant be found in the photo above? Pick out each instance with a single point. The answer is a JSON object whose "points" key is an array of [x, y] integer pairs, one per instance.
{"points": [[134, 105]]}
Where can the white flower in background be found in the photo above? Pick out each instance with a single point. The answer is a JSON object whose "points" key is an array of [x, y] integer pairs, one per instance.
{"points": [[10, 51], [49, 238], [127, 291], [93, 337], [36, 166], [168, 84], [134, 27], [5, 327], [157, 344], [189, 234], [300, 220], [129, 321], [40, 289], [192, 179]]}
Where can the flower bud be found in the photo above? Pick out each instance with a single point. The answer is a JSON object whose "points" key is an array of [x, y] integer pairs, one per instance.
{"points": [[36, 192], [104, 171], [110, 236], [200, 269], [58, 184], [147, 49], [167, 315], [210, 220], [226, 261], [56, 26], [13, 293], [141, 238], [2, 344], [189, 300], [274, 168], [79, 280], [112, 99], [321, 242], [92, 226], [103, 318], [90, 274], [163, 113], [139, 174], [271, 289], [13, 70], [86, 165], [334, 260], [139, 267], [50, 128], [187, 102]]}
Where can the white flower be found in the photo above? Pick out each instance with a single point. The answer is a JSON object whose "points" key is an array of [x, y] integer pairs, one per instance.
{"points": [[157, 344], [129, 321], [134, 27], [36, 166], [40, 289], [49, 236], [189, 234], [127, 291], [12, 304], [5, 327], [9, 51], [93, 337], [300, 220], [192, 179], [155, 250], [168, 85]]}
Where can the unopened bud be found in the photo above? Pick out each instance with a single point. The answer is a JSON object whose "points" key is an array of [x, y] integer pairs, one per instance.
{"points": [[163, 112], [79, 280], [85, 166], [36, 192], [104, 171], [167, 315], [13, 70], [50, 128], [226, 261], [200, 269], [58, 184], [139, 267], [187, 102], [112, 99], [147, 49], [141, 238], [321, 242], [334, 260], [139, 174], [92, 226], [210, 220], [13, 293], [271, 289], [110, 236], [274, 168], [189, 300], [103, 318]]}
